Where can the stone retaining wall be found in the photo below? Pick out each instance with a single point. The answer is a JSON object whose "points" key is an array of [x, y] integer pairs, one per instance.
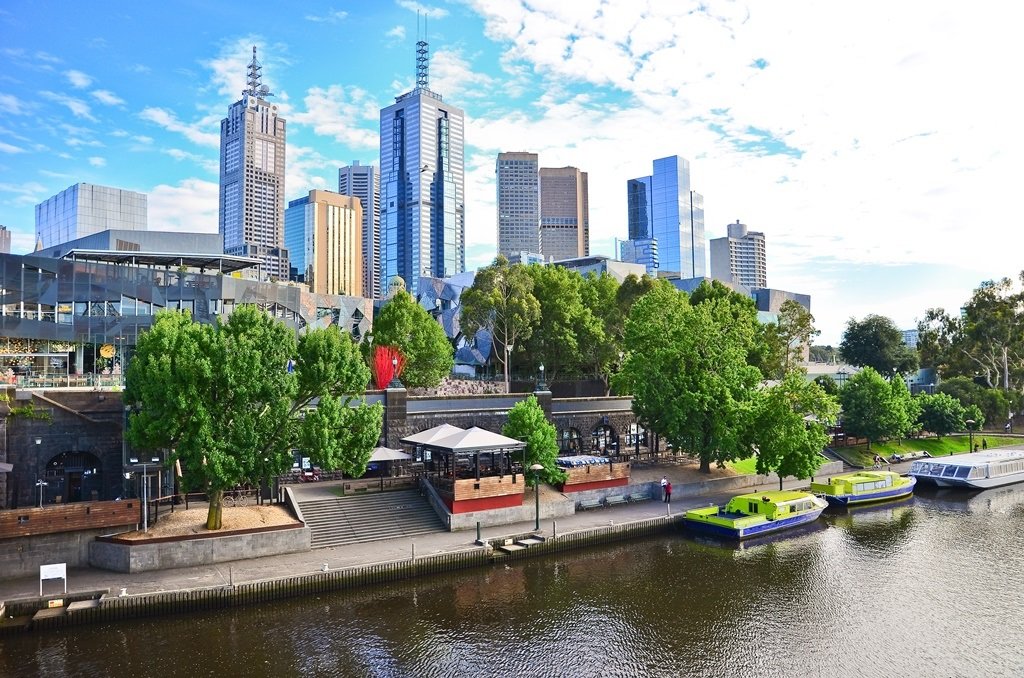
{"points": [[22, 556]]}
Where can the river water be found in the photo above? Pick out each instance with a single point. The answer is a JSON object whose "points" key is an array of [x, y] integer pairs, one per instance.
{"points": [[932, 586]]}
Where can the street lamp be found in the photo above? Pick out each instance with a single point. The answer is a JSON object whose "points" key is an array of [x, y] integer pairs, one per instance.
{"points": [[508, 352], [41, 484], [395, 381], [841, 375], [970, 435], [536, 468], [541, 386]]}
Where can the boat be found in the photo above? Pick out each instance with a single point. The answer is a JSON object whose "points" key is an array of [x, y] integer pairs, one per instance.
{"points": [[978, 470], [863, 487], [757, 513]]}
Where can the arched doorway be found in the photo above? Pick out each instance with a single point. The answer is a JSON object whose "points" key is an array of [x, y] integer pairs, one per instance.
{"points": [[603, 439], [74, 476], [570, 442]]}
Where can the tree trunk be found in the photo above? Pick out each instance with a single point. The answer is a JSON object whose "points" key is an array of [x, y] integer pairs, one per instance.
{"points": [[780, 483], [214, 515], [705, 464]]}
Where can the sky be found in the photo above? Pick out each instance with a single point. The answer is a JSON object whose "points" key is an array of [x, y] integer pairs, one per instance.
{"points": [[877, 145]]}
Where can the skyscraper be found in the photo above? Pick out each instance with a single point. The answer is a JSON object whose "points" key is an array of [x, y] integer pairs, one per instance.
{"points": [[5, 240], [324, 234], [252, 152], [564, 213], [422, 213], [84, 209], [363, 182], [662, 207], [740, 257], [517, 180]]}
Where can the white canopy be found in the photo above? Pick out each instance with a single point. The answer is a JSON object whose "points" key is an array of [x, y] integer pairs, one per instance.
{"points": [[6, 468], [476, 440], [388, 454], [431, 434]]}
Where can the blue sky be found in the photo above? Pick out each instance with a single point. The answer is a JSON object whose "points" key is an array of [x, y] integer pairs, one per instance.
{"points": [[876, 144]]}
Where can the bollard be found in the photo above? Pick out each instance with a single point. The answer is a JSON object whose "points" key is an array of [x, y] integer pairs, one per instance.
{"points": [[554, 529], [414, 550], [478, 532], [124, 591]]}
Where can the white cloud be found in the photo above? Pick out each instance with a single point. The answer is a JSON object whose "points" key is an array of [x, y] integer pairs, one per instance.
{"points": [[451, 75], [78, 108], [105, 96], [342, 114], [397, 33], [97, 161], [29, 193], [426, 10], [12, 105], [208, 163], [78, 79], [194, 132], [142, 139], [77, 142], [229, 68], [331, 17], [189, 206], [8, 148], [120, 133]]}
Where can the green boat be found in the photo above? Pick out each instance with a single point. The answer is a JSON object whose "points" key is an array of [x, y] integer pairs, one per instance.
{"points": [[757, 513], [862, 487]]}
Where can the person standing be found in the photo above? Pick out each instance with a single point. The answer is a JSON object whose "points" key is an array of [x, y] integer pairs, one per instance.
{"points": [[668, 493], [664, 483], [984, 444]]}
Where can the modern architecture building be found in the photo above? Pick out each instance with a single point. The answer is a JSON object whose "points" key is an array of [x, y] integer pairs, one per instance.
{"points": [[598, 264], [740, 256], [641, 251], [422, 175], [252, 154], [564, 213], [517, 180], [134, 243], [662, 208], [323, 232], [5, 240], [84, 209], [363, 182]]}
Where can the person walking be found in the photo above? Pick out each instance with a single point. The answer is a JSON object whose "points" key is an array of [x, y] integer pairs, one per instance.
{"points": [[664, 483], [984, 444], [668, 493]]}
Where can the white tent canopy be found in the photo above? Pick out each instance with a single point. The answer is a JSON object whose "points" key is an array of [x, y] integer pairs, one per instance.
{"points": [[476, 440], [388, 454], [431, 434]]}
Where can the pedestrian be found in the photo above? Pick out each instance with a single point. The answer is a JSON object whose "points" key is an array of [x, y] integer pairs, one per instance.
{"points": [[1007, 427], [984, 444], [664, 483], [668, 493]]}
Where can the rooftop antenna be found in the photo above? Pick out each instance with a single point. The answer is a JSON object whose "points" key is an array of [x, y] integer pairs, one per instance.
{"points": [[422, 56], [254, 87]]}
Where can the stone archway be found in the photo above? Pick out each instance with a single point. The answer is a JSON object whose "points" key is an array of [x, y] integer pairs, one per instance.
{"points": [[73, 476], [569, 442], [603, 439]]}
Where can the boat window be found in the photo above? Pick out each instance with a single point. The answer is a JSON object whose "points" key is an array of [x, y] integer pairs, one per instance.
{"points": [[888, 481], [963, 471], [977, 472], [949, 471], [753, 507]]}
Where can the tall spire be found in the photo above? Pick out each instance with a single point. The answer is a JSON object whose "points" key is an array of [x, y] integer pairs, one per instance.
{"points": [[422, 57], [254, 87]]}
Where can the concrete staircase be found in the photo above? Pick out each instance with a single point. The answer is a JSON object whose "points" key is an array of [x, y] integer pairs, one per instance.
{"points": [[368, 517]]}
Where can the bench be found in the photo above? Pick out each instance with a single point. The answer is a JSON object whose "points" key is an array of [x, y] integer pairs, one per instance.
{"points": [[639, 496], [589, 504], [614, 499]]}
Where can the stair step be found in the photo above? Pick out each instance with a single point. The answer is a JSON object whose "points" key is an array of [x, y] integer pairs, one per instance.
{"points": [[370, 517], [530, 541], [511, 548]]}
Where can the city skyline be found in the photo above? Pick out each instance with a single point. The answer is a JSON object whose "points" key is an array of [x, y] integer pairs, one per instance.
{"points": [[834, 133]]}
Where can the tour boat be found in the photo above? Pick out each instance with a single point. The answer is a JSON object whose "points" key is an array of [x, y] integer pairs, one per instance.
{"points": [[979, 470], [757, 513], [862, 487]]}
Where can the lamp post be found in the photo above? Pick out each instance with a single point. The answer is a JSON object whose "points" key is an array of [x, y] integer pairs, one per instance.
{"points": [[970, 435], [541, 386], [508, 352], [536, 468], [41, 484], [841, 375]]}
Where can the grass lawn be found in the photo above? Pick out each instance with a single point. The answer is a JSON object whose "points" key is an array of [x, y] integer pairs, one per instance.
{"points": [[858, 455], [744, 466]]}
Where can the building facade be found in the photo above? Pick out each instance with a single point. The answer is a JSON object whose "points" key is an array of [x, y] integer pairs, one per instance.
{"points": [[564, 213], [663, 208], [252, 167], [363, 182], [84, 209], [422, 174], [5, 240], [517, 181], [740, 257], [327, 229]]}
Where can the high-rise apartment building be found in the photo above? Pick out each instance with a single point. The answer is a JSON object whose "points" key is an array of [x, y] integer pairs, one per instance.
{"points": [[663, 208], [517, 181], [5, 240], [323, 231], [252, 152], [564, 213], [363, 182], [740, 257], [422, 176], [84, 209]]}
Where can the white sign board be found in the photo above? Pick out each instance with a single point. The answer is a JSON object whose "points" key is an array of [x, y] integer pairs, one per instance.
{"points": [[55, 571]]}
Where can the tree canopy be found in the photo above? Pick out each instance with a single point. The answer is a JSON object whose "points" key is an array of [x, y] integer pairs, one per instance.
{"points": [[526, 422], [404, 324], [565, 325], [941, 414], [867, 406], [877, 343]]}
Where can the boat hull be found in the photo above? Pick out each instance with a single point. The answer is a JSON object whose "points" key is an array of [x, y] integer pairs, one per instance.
{"points": [[767, 527], [870, 497], [979, 483]]}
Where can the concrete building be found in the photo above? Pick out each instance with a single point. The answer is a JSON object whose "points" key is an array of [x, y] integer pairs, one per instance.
{"points": [[663, 208], [517, 181], [252, 165], [422, 174], [84, 209], [324, 235], [5, 240], [740, 257], [363, 182], [598, 264], [564, 213]]}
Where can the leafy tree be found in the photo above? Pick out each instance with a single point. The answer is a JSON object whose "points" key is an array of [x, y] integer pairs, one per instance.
{"points": [[823, 354], [941, 414], [565, 324], [827, 384], [500, 300], [222, 400], [876, 342], [600, 352], [765, 349], [686, 366], [867, 401], [789, 427], [526, 422], [901, 420], [991, 402], [973, 413], [406, 325], [796, 329]]}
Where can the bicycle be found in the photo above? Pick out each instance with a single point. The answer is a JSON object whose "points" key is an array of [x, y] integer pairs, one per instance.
{"points": [[235, 497]]}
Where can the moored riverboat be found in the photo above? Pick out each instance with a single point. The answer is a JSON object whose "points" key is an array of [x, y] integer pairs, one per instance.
{"points": [[863, 487], [978, 470], [747, 515]]}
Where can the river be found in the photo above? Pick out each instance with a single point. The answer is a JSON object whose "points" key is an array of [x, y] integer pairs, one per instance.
{"points": [[932, 586]]}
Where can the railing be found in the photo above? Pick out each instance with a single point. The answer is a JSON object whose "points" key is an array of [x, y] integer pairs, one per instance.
{"points": [[96, 381]]}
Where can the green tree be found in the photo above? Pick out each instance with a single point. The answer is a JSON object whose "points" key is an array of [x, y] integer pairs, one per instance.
{"points": [[406, 325], [221, 399], [901, 420], [600, 351], [565, 325], [765, 350], [526, 422], [941, 414], [686, 366], [993, 403], [827, 384], [796, 329], [866, 402], [823, 354], [500, 301], [790, 422], [876, 342]]}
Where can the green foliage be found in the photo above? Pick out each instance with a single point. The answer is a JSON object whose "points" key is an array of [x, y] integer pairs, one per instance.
{"points": [[403, 323], [687, 368], [565, 325], [941, 414], [857, 455], [599, 350], [867, 406], [827, 384], [993, 403], [343, 436], [526, 422], [763, 347], [823, 354], [29, 411], [789, 426], [876, 342], [901, 420]]}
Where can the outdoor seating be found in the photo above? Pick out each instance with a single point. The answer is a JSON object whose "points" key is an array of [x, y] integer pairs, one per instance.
{"points": [[614, 499], [639, 496], [589, 504]]}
